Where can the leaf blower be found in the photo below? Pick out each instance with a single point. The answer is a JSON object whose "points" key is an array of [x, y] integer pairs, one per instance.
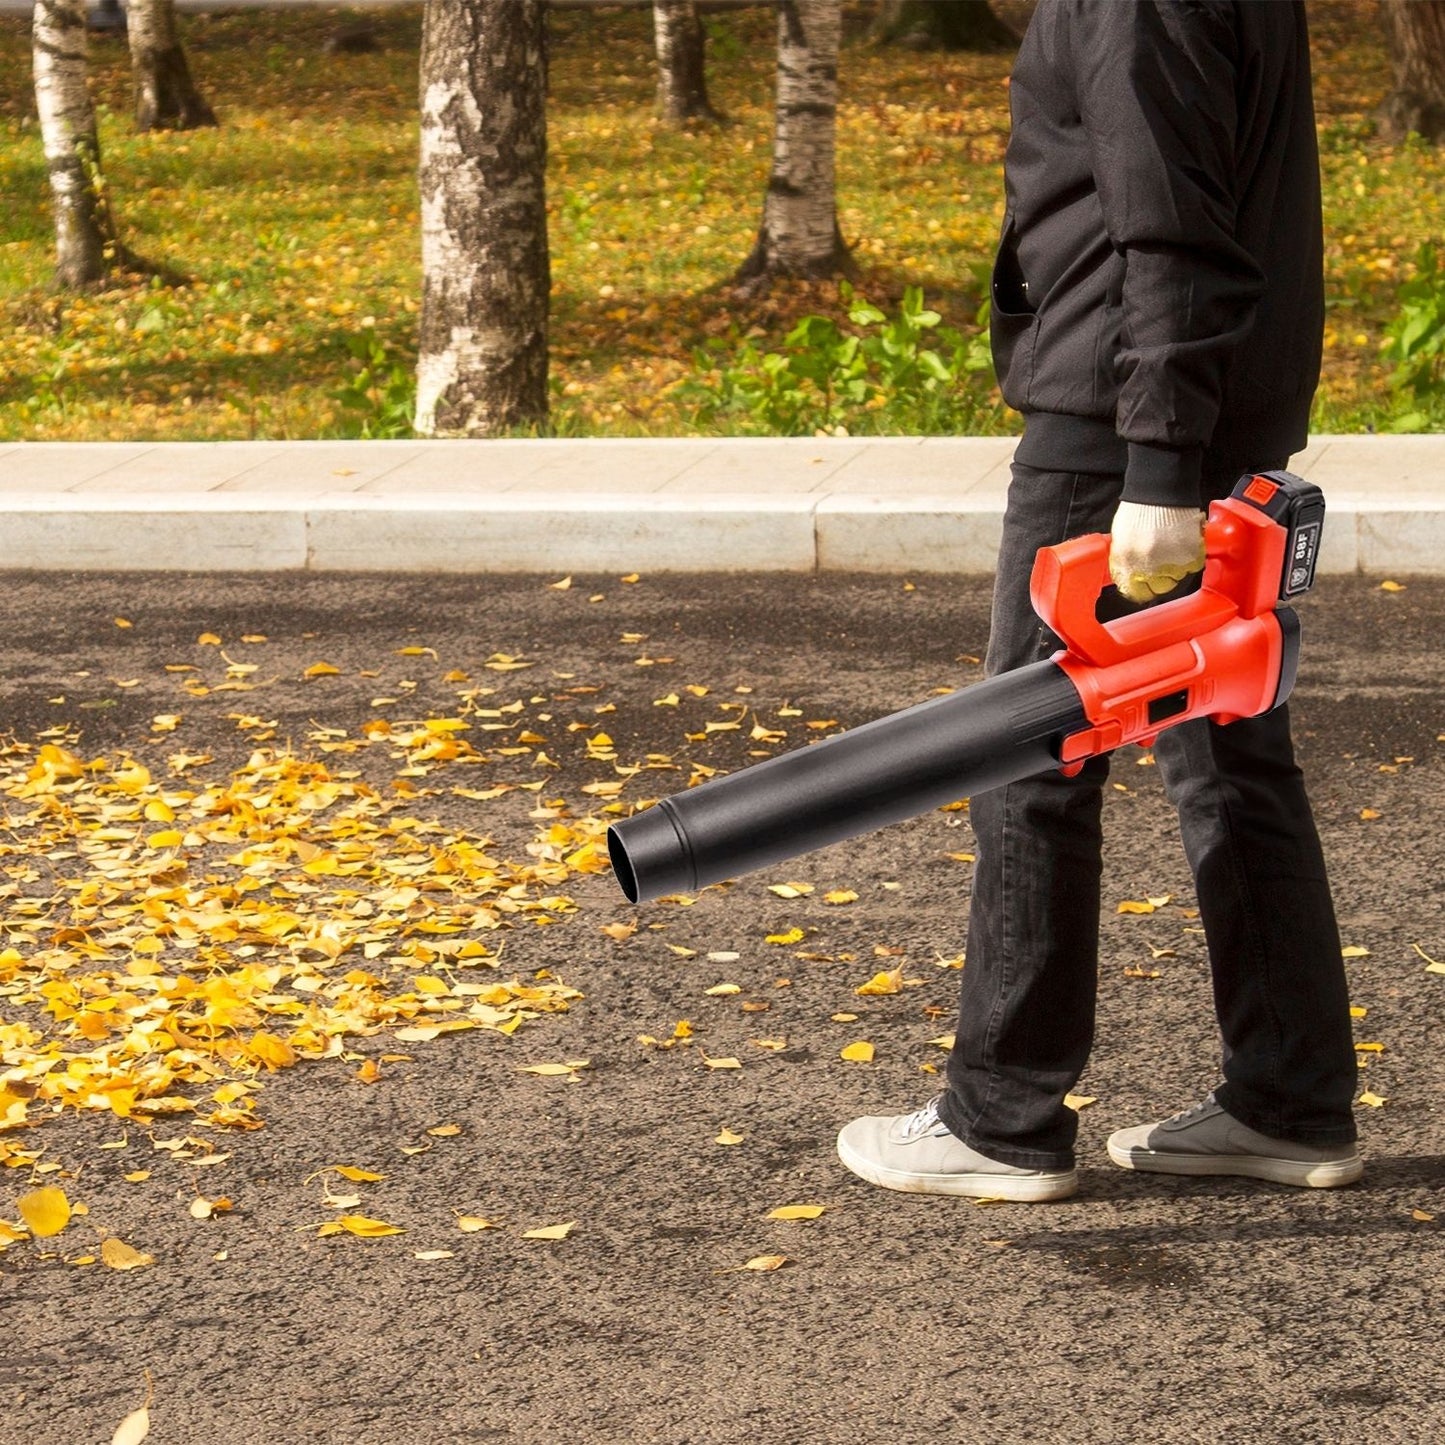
{"points": [[1226, 651]]}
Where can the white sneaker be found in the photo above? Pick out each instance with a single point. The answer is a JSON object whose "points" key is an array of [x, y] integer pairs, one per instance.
{"points": [[1206, 1140], [916, 1153]]}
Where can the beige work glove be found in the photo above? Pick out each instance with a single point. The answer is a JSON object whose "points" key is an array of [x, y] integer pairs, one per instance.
{"points": [[1153, 549]]}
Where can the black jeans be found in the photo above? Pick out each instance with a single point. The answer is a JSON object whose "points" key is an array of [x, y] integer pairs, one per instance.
{"points": [[1026, 1012]]}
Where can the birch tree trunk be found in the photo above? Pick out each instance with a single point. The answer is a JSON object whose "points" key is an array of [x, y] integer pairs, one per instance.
{"points": [[1416, 32], [166, 97], [799, 235], [486, 274], [681, 62], [86, 249]]}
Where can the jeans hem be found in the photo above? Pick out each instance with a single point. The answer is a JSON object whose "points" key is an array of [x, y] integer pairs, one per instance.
{"points": [[1000, 1153], [1320, 1136]]}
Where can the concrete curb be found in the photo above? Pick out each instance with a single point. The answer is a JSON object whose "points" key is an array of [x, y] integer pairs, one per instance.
{"points": [[893, 505]]}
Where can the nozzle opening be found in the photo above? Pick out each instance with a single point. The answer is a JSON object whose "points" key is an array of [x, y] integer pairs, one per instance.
{"points": [[622, 865]]}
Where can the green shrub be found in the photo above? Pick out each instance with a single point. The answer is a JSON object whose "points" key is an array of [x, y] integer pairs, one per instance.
{"points": [[378, 397], [905, 374], [1415, 342]]}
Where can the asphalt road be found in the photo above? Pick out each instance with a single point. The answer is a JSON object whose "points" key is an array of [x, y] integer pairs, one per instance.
{"points": [[1146, 1309]]}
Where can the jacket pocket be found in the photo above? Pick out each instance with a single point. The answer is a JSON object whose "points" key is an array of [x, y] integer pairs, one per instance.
{"points": [[1013, 326]]}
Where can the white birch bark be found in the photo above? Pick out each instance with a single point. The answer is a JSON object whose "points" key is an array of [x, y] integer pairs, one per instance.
{"points": [[681, 61], [482, 366], [84, 238], [166, 97], [799, 235]]}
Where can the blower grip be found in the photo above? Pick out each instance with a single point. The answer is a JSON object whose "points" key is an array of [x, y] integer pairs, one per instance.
{"points": [[1244, 552]]}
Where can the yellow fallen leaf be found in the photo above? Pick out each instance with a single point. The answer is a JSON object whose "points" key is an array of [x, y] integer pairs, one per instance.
{"points": [[551, 1231], [1354, 951], [858, 1053], [793, 935], [365, 1228], [321, 669], [119, 1255], [889, 981], [843, 1018], [1368, 814], [45, 1211], [550, 1071], [474, 1223], [433, 1254], [357, 1176], [722, 990], [681, 951], [765, 1262], [1373, 1101], [790, 890], [944, 1041], [445, 1131], [682, 1029], [208, 639], [1132, 905], [1079, 1101], [796, 1211], [133, 1429], [123, 622], [1358, 1011], [728, 1137], [270, 1050], [961, 857], [1369, 1048], [1388, 586], [840, 895], [1421, 1215], [728, 1063], [1431, 965]]}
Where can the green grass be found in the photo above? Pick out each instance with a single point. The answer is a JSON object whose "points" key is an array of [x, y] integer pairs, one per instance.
{"points": [[297, 223]]}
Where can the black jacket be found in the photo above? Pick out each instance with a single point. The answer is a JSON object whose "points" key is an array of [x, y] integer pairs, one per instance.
{"points": [[1157, 297]]}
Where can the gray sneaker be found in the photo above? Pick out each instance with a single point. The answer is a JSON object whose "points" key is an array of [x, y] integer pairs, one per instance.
{"points": [[1206, 1140], [917, 1154]]}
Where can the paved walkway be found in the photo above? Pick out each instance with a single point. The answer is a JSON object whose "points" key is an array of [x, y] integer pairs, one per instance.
{"points": [[890, 505]]}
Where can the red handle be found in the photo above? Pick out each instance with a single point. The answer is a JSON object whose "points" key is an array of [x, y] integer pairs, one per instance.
{"points": [[1244, 551]]}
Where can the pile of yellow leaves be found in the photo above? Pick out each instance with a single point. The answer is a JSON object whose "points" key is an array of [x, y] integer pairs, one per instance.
{"points": [[164, 941]]}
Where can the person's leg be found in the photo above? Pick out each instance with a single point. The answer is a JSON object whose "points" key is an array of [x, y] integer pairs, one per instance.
{"points": [[1274, 948], [1026, 1008]]}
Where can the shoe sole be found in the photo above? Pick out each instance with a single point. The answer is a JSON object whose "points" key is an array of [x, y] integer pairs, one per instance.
{"points": [[1323, 1174], [1018, 1189]]}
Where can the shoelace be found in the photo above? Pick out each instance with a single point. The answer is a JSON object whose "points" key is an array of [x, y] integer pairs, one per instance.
{"points": [[1194, 1110], [921, 1121]]}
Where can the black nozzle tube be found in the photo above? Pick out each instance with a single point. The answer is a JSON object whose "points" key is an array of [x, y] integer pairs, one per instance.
{"points": [[998, 731]]}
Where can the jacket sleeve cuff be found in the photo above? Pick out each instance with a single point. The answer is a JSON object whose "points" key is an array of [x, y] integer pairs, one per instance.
{"points": [[1163, 476]]}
